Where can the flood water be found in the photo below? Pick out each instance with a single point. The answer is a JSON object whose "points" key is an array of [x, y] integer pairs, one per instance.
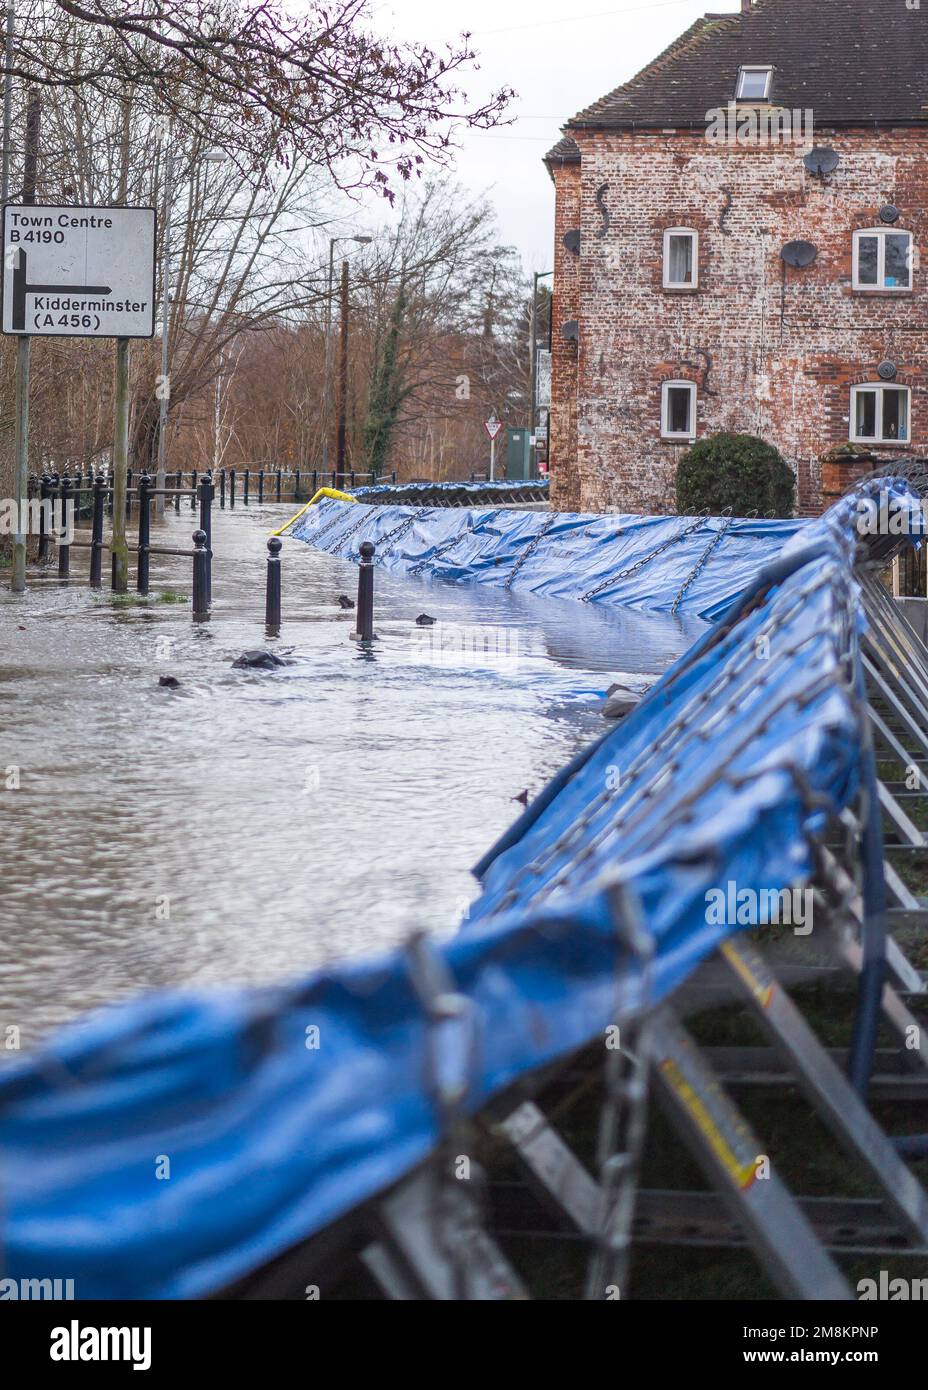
{"points": [[250, 825]]}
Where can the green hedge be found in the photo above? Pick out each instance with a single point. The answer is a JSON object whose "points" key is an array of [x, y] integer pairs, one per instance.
{"points": [[736, 471]]}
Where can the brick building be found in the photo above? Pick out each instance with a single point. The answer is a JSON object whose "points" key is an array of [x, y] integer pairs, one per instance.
{"points": [[675, 314]]}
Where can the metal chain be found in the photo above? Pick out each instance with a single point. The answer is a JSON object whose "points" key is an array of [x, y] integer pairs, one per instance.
{"points": [[458, 1210], [623, 1113], [405, 525], [531, 548], [681, 731], [716, 539], [449, 542], [330, 525], [645, 559], [352, 530]]}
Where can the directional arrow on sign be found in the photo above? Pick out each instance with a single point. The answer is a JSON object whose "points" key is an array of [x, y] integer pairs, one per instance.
{"points": [[21, 288]]}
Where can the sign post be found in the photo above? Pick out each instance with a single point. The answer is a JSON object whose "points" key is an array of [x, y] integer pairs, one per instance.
{"points": [[21, 422], [81, 272], [118, 547], [493, 427]]}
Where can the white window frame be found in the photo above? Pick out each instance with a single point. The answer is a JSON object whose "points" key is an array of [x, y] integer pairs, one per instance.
{"points": [[666, 432], [754, 67], [879, 387], [881, 233], [681, 284]]}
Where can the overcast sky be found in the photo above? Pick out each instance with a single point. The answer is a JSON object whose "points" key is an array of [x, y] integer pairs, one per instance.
{"points": [[559, 55]]}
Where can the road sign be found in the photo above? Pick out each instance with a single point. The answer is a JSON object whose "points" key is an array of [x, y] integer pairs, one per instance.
{"points": [[79, 272], [492, 426]]}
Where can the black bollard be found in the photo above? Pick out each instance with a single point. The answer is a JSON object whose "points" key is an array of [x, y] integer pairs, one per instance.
{"points": [[54, 492], [193, 489], [279, 478], [296, 485], [64, 548], [200, 575], [365, 631], [206, 526], [222, 487], [231, 488], [43, 529], [247, 484], [143, 565], [128, 493], [96, 534], [260, 484], [315, 487], [272, 596], [110, 480]]}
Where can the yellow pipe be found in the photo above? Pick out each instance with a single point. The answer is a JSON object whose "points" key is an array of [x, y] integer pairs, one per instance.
{"points": [[323, 492]]}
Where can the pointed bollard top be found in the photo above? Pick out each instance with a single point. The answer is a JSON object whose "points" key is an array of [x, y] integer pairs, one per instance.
{"points": [[366, 551]]}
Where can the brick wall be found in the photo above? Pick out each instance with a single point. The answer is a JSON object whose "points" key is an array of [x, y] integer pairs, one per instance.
{"points": [[565, 481], [772, 352]]}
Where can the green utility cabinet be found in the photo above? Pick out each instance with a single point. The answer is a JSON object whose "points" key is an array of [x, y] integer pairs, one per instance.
{"points": [[518, 453]]}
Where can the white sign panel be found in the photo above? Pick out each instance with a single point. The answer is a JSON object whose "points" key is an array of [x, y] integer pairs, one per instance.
{"points": [[543, 379], [79, 272]]}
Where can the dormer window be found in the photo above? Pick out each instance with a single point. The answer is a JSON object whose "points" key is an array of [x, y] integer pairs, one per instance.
{"points": [[754, 84]]}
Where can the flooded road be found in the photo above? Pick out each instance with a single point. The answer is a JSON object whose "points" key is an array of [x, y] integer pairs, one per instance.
{"points": [[249, 825]]}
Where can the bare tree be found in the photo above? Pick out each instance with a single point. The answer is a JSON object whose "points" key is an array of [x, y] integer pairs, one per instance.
{"points": [[309, 80], [444, 303]]}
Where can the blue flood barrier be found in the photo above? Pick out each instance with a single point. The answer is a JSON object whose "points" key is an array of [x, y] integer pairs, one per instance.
{"points": [[504, 486], [721, 775], [668, 564]]}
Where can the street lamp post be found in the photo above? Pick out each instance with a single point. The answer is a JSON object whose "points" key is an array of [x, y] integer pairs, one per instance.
{"points": [[164, 384], [533, 370], [327, 382], [164, 381], [341, 416]]}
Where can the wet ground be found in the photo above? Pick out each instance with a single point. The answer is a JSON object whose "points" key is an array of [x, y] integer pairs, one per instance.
{"points": [[249, 825]]}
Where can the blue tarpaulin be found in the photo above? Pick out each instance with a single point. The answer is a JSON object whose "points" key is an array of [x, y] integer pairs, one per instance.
{"points": [[670, 564], [280, 1110]]}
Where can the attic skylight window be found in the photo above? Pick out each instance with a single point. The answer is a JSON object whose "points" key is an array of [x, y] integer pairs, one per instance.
{"points": [[754, 84]]}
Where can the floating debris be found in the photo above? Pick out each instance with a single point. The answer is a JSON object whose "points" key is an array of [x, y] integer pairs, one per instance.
{"points": [[345, 602], [258, 660], [623, 696], [424, 620]]}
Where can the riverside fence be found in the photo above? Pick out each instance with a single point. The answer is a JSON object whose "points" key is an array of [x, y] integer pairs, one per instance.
{"points": [[89, 496], [245, 485]]}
